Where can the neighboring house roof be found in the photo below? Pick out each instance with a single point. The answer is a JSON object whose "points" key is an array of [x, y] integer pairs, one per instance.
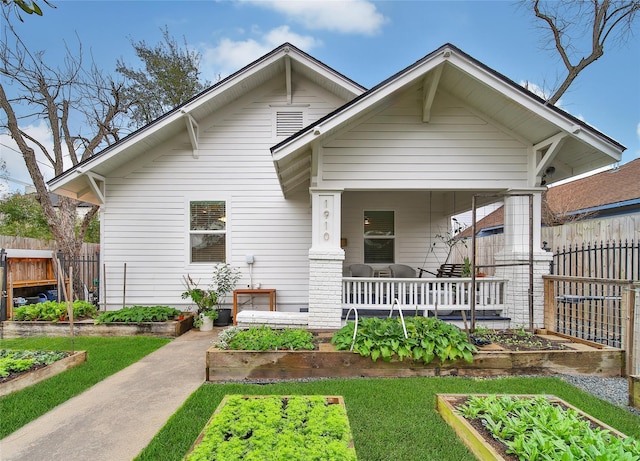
{"points": [[558, 139], [616, 187], [616, 190], [84, 180]]}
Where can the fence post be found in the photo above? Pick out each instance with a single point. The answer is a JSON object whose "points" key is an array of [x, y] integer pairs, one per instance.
{"points": [[632, 300], [549, 304]]}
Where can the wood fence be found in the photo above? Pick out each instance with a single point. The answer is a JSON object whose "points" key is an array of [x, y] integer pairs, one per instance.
{"points": [[616, 228], [23, 243]]}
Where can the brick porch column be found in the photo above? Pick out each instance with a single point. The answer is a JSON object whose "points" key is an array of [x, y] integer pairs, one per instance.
{"points": [[325, 260]]}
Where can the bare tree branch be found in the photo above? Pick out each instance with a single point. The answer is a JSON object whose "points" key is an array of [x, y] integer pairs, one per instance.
{"points": [[31, 92], [564, 18]]}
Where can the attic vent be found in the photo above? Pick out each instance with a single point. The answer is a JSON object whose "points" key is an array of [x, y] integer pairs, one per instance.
{"points": [[288, 122]]}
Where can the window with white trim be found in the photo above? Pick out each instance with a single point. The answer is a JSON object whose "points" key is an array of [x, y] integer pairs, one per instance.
{"points": [[208, 231], [379, 237]]}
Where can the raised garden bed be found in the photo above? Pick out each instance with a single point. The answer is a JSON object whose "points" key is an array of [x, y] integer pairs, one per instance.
{"points": [[515, 426], [634, 391], [28, 378], [87, 327], [491, 360], [282, 427]]}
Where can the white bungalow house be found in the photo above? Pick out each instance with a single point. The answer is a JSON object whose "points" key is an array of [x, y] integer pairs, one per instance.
{"points": [[294, 167]]}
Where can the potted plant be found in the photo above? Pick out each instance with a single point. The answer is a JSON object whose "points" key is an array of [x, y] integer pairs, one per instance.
{"points": [[206, 302], [210, 300], [224, 280]]}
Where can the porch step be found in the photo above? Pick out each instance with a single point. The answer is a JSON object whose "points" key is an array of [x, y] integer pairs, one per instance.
{"points": [[274, 319]]}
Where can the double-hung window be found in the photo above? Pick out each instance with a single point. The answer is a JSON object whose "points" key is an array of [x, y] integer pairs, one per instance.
{"points": [[208, 231], [379, 237]]}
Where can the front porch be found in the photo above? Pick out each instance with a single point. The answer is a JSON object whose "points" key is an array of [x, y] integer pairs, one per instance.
{"points": [[446, 298]]}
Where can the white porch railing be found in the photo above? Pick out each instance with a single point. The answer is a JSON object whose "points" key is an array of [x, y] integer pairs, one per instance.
{"points": [[423, 294]]}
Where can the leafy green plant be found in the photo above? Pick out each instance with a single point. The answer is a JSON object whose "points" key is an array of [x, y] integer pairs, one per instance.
{"points": [[23, 360], [53, 311], [224, 280], [138, 314], [10, 364], [264, 338], [276, 428], [534, 428], [428, 338]]}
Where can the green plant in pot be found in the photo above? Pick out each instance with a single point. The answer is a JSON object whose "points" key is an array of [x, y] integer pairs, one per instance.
{"points": [[204, 299], [210, 301], [224, 280]]}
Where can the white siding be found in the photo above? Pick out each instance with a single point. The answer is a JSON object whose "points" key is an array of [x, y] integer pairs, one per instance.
{"points": [[394, 149], [419, 217], [146, 214]]}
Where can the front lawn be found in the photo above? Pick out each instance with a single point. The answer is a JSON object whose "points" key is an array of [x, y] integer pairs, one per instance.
{"points": [[105, 356], [391, 419]]}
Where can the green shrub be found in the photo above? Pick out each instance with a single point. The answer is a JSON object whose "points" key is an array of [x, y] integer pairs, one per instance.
{"points": [[53, 311], [428, 338], [138, 314]]}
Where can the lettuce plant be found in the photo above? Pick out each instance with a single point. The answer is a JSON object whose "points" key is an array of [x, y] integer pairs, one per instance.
{"points": [[53, 311], [276, 428], [536, 429]]}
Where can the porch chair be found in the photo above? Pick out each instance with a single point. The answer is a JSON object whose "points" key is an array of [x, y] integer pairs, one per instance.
{"points": [[361, 270], [402, 271]]}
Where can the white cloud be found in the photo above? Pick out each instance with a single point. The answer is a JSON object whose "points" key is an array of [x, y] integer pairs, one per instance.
{"points": [[230, 56], [343, 16], [16, 168]]}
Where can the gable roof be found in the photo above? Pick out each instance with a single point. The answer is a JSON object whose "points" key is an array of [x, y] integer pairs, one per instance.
{"points": [[499, 99], [614, 189], [578, 146], [83, 180]]}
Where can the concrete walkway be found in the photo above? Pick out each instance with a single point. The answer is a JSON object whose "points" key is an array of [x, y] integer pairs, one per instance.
{"points": [[115, 419]]}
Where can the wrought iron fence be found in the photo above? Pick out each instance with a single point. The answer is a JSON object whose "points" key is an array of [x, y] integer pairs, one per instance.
{"points": [[610, 260], [87, 268], [595, 309]]}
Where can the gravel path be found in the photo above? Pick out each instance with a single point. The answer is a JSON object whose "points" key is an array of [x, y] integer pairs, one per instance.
{"points": [[614, 390]]}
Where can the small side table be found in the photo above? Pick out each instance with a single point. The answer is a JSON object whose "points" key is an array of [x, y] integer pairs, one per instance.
{"points": [[253, 291]]}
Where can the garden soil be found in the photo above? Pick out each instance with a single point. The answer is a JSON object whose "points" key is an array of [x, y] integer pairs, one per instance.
{"points": [[115, 419]]}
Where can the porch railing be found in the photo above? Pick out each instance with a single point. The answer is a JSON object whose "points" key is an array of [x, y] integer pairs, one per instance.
{"points": [[423, 294]]}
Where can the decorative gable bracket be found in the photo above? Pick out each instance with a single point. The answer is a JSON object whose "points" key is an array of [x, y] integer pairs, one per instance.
{"points": [[429, 92], [94, 192], [545, 152], [192, 129]]}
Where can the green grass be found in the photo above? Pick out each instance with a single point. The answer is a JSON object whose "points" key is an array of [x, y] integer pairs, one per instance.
{"points": [[105, 356], [391, 419]]}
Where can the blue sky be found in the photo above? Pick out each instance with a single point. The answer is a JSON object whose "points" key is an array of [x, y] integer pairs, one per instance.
{"points": [[367, 41]]}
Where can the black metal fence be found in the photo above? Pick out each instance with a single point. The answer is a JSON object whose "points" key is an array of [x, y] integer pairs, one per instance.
{"points": [[608, 260], [87, 270]]}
